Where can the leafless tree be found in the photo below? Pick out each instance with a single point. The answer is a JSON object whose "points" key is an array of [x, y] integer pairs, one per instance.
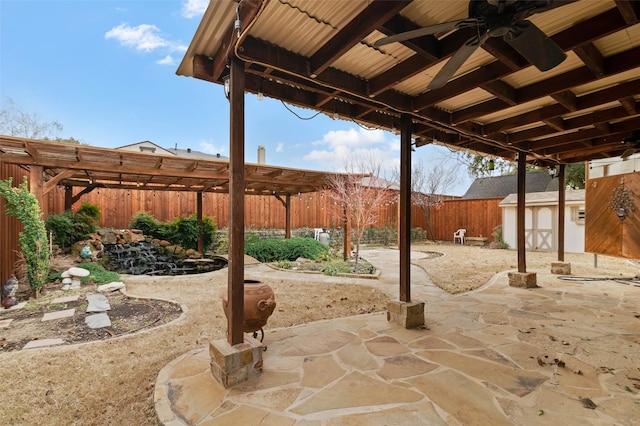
{"points": [[15, 122], [428, 187], [360, 192]]}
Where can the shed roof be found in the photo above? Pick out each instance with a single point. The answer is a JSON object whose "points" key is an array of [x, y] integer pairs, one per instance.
{"points": [[575, 196], [501, 186]]}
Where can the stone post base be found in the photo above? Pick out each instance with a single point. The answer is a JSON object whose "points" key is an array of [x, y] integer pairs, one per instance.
{"points": [[407, 314], [561, 268], [523, 279], [235, 364]]}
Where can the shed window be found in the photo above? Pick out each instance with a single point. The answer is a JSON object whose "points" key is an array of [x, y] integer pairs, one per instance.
{"points": [[577, 214]]}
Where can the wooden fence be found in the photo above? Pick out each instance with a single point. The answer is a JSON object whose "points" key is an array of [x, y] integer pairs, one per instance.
{"points": [[313, 210], [604, 232]]}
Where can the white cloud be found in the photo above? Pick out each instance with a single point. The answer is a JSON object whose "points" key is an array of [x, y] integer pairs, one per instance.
{"points": [[144, 37], [338, 146], [194, 8], [280, 147], [210, 148], [167, 60]]}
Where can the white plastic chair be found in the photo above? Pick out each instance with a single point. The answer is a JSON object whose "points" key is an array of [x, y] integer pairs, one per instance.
{"points": [[459, 234]]}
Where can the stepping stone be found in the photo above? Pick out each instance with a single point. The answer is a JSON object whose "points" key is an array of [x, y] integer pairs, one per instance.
{"points": [[5, 323], [65, 299], [41, 343], [59, 314], [98, 320], [116, 285], [14, 307], [97, 303]]}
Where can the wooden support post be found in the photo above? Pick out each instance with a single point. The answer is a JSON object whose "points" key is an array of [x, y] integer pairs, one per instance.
{"points": [[68, 197], [36, 185], [286, 203], [235, 286], [561, 208], [199, 216], [522, 194], [404, 234], [346, 232], [287, 216]]}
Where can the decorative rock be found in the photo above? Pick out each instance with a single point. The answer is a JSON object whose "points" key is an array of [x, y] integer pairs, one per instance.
{"points": [[44, 342], [9, 290], [76, 274], [97, 303], [116, 285], [85, 253], [58, 314], [98, 320]]}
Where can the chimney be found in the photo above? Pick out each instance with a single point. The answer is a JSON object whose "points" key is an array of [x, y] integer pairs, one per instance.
{"points": [[189, 150], [262, 152]]}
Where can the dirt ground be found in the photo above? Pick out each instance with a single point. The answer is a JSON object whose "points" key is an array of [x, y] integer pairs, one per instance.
{"points": [[111, 381]]}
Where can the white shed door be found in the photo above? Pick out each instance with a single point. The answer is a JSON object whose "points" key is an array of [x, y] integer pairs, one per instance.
{"points": [[538, 228]]}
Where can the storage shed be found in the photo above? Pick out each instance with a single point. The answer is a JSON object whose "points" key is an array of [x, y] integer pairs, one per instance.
{"points": [[541, 223]]}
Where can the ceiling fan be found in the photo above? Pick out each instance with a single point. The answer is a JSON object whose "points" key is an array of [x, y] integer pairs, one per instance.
{"points": [[633, 142], [495, 18]]}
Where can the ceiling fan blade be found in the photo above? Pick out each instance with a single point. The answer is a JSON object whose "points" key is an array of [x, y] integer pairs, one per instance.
{"points": [[534, 45], [628, 152], [456, 61], [431, 29]]}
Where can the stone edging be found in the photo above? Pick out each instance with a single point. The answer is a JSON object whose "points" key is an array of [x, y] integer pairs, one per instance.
{"points": [[181, 318], [374, 276]]}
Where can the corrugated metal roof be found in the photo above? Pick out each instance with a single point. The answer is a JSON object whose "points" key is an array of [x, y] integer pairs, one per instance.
{"points": [[283, 39]]}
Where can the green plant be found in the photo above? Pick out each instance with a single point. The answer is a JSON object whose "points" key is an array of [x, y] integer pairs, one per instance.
{"points": [[69, 227], [97, 274], [146, 223], [21, 203], [62, 229], [274, 249], [184, 231]]}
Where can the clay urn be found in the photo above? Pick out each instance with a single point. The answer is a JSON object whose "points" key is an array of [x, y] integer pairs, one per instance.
{"points": [[259, 303]]}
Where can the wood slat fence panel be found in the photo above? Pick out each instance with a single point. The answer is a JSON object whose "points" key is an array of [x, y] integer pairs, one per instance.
{"points": [[313, 210], [604, 232]]}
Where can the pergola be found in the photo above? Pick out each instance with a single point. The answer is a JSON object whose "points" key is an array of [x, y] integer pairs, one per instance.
{"points": [[322, 55], [85, 167]]}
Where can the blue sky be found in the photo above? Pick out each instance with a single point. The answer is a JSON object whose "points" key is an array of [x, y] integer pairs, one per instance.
{"points": [[105, 70]]}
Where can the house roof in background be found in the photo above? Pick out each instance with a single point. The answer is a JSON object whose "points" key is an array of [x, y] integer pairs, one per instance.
{"points": [[152, 148], [501, 186], [575, 196]]}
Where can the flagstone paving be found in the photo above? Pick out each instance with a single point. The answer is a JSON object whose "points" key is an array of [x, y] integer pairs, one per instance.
{"points": [[565, 353]]}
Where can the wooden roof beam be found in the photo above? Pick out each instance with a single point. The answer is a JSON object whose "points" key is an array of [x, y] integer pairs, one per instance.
{"points": [[630, 105], [210, 69], [609, 94], [592, 58], [630, 10], [567, 99], [376, 14]]}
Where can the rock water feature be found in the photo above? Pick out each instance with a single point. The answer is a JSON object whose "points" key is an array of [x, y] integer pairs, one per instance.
{"points": [[144, 258]]}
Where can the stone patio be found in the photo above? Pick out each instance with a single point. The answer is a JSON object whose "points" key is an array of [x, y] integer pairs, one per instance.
{"points": [[565, 353]]}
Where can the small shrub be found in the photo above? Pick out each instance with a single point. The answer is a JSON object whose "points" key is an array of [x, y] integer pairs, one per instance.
{"points": [[181, 230], [271, 250], [498, 241], [69, 227], [146, 223]]}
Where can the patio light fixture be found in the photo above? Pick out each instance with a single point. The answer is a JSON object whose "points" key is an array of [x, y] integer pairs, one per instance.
{"points": [[227, 85]]}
